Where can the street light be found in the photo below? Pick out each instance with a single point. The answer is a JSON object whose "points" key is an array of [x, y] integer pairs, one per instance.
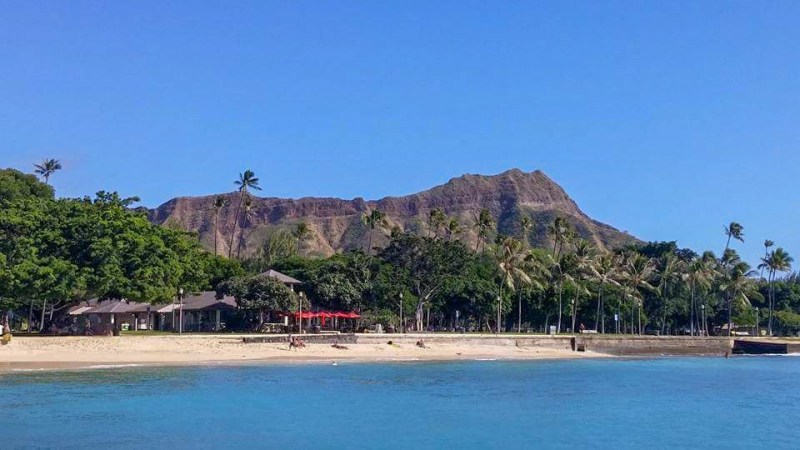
{"points": [[402, 330], [498, 314], [757, 320], [703, 316], [300, 310], [180, 300]]}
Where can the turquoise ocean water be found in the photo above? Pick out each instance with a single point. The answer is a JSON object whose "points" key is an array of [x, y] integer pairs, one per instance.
{"points": [[746, 402]]}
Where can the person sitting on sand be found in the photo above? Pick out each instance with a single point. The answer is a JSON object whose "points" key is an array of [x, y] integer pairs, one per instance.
{"points": [[421, 344]]}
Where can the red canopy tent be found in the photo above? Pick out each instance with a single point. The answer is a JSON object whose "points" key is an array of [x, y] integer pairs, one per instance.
{"points": [[325, 315]]}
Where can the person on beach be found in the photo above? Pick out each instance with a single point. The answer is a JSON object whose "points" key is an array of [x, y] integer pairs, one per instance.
{"points": [[5, 335]]}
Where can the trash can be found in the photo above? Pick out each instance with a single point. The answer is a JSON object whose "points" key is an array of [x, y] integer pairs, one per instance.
{"points": [[552, 331]]}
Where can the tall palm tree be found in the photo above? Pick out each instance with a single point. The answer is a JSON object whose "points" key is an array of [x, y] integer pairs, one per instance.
{"points": [[453, 228], [605, 270], [301, 233], [638, 270], [246, 181], [525, 227], [776, 261], [699, 274], [246, 216], [436, 220], [561, 273], [219, 203], [47, 168], [536, 267], [738, 286], [372, 220], [767, 245], [484, 223], [584, 252], [671, 271], [558, 231], [511, 261], [733, 231]]}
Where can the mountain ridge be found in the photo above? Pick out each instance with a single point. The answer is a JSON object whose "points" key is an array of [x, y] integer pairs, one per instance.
{"points": [[336, 226]]}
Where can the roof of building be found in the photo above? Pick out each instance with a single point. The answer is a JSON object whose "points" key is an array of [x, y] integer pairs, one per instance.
{"points": [[285, 279]]}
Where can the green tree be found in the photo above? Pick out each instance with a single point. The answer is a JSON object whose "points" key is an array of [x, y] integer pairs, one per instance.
{"points": [[373, 219], [700, 275], [15, 185], [484, 224], [436, 221], [453, 228], [246, 181], [776, 261], [511, 262], [424, 266], [605, 270], [733, 231], [47, 168], [219, 203], [260, 293], [637, 272], [301, 233]]}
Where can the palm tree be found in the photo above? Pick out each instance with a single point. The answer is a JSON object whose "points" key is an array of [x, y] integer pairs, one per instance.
{"points": [[372, 220], [537, 269], [605, 270], [248, 213], [453, 228], [246, 181], [47, 168], [738, 285], [735, 231], [767, 244], [699, 274], [671, 271], [561, 273], [558, 231], [484, 222], [776, 261], [436, 220], [638, 270], [301, 233], [511, 262], [584, 253], [525, 226], [219, 203]]}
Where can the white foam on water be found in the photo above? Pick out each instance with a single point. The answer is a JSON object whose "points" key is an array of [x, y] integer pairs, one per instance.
{"points": [[111, 366]]}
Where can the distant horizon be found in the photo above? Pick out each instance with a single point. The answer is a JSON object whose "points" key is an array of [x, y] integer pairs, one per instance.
{"points": [[664, 120]]}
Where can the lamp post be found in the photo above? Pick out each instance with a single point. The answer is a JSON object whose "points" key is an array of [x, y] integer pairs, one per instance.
{"points": [[757, 320], [401, 314], [498, 314], [703, 317], [300, 312], [180, 300]]}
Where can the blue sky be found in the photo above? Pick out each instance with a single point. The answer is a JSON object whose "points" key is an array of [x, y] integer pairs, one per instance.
{"points": [[665, 119]]}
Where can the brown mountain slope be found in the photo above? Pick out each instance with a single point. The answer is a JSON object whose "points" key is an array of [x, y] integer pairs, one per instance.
{"points": [[336, 223]]}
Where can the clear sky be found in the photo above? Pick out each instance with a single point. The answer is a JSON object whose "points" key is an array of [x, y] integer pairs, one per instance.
{"points": [[666, 119]]}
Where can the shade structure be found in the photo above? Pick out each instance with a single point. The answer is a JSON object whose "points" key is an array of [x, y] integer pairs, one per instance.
{"points": [[325, 315]]}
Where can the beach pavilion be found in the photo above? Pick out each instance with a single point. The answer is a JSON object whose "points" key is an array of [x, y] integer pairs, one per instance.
{"points": [[285, 279]]}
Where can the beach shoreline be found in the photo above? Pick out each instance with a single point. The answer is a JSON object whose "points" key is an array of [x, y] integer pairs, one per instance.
{"points": [[25, 354]]}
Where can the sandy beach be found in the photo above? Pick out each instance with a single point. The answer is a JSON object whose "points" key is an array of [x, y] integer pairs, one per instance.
{"points": [[40, 353]]}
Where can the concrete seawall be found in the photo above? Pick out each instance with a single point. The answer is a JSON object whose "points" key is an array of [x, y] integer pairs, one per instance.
{"points": [[608, 344], [655, 345]]}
